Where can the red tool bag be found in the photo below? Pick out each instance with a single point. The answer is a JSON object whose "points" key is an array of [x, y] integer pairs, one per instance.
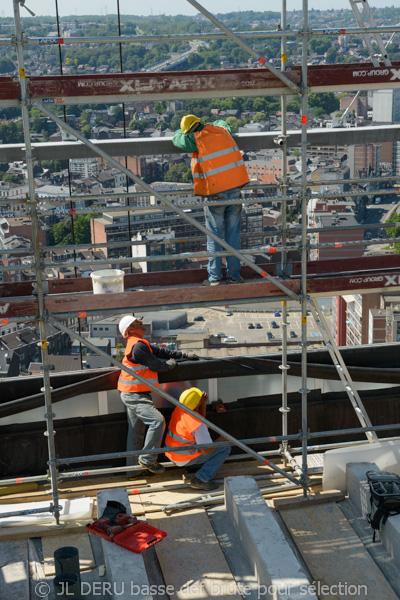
{"points": [[116, 526]]}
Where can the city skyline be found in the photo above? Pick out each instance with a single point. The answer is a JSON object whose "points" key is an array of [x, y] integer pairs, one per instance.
{"points": [[157, 7]]}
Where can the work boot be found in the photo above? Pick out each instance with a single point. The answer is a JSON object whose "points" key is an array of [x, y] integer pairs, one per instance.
{"points": [[231, 280], [207, 282], [153, 468], [198, 484]]}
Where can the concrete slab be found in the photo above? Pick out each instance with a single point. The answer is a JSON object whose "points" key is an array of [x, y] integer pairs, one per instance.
{"points": [[14, 570], [191, 559], [338, 561], [278, 570], [125, 570], [385, 454]]}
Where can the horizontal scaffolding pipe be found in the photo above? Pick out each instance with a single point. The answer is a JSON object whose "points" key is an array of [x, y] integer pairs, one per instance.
{"points": [[265, 440], [141, 39], [235, 457], [28, 511]]}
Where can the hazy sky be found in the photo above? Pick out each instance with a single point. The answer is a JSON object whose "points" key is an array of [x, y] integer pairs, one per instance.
{"points": [[172, 7]]}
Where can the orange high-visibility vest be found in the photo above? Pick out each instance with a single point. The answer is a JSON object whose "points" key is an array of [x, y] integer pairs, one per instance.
{"points": [[128, 383], [218, 165], [180, 433]]}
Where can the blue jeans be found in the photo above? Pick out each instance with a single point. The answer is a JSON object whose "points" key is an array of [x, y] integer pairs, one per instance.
{"points": [[211, 462], [141, 412], [218, 218]]}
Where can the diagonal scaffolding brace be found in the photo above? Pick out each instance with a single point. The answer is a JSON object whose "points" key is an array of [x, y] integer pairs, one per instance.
{"points": [[245, 46], [342, 370]]}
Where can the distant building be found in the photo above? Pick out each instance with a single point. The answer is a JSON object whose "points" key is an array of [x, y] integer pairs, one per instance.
{"points": [[84, 167], [364, 158], [335, 234], [386, 106]]}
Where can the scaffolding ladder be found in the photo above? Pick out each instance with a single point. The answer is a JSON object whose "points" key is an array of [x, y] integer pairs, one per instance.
{"points": [[342, 369], [376, 57]]}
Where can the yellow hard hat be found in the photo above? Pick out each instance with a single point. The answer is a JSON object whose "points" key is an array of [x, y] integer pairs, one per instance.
{"points": [[191, 397], [188, 122]]}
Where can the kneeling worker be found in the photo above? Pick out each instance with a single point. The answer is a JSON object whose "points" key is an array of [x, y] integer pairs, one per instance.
{"points": [[184, 429]]}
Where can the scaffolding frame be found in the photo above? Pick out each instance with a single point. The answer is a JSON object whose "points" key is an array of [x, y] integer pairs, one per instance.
{"points": [[304, 195]]}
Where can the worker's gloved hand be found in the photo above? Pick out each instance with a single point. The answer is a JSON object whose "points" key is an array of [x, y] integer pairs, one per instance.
{"points": [[191, 356], [171, 363]]}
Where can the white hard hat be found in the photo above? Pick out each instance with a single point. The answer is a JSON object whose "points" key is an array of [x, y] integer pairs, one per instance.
{"points": [[124, 324]]}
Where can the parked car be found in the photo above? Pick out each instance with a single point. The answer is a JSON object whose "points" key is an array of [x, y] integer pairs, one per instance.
{"points": [[199, 318], [230, 338], [258, 326], [274, 325], [293, 334], [228, 313], [277, 313], [250, 326], [270, 335], [221, 334]]}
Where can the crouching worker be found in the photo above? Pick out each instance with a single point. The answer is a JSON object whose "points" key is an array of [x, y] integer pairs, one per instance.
{"points": [[184, 429]]}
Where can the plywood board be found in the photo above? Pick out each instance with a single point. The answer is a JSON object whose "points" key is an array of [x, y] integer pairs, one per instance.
{"points": [[191, 559], [77, 540], [335, 555]]}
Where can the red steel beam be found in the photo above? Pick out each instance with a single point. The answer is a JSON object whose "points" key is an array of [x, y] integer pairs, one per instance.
{"points": [[80, 303], [183, 84]]}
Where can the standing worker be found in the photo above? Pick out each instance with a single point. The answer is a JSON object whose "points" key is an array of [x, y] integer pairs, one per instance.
{"points": [[185, 429], [146, 360], [218, 173]]}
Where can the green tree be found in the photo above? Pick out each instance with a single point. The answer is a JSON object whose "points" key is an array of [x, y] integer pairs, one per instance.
{"points": [[86, 130], [121, 352], [394, 232], [11, 178], [179, 172], [118, 112], [160, 107], [140, 124], [234, 123], [319, 45], [176, 119], [260, 116], [328, 102]]}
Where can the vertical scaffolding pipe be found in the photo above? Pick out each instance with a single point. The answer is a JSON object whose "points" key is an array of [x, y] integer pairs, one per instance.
{"points": [[304, 106], [284, 409], [284, 139], [49, 415], [284, 366]]}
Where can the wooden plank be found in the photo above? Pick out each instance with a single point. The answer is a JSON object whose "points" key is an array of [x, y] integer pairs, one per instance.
{"points": [[14, 570], [41, 530], [74, 491], [299, 501], [334, 554], [191, 559], [77, 540]]}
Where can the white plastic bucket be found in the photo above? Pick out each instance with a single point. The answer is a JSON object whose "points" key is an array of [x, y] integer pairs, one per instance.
{"points": [[109, 281]]}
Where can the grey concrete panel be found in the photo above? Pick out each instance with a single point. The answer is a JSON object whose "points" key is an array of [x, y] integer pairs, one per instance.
{"points": [[278, 570], [389, 533], [125, 570], [357, 485]]}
